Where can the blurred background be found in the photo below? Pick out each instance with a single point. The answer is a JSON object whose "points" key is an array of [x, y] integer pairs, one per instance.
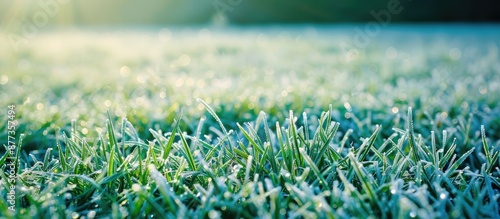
{"points": [[155, 12], [68, 60]]}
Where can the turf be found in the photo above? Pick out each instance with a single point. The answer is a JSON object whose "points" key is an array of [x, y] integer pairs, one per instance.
{"points": [[254, 122]]}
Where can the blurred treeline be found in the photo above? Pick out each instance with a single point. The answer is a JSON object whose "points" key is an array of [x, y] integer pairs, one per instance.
{"points": [[154, 12]]}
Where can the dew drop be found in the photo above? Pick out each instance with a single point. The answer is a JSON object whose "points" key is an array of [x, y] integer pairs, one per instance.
{"points": [[213, 214], [68, 196], [91, 214], [395, 110], [282, 211], [136, 187], [442, 196], [413, 214]]}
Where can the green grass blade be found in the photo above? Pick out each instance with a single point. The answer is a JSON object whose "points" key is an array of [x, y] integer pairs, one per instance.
{"points": [[314, 168], [187, 151]]}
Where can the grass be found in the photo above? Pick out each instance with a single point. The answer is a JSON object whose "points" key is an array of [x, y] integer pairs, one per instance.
{"points": [[317, 136]]}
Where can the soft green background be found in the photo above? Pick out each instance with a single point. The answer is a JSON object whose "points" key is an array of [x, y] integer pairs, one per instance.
{"points": [[133, 12]]}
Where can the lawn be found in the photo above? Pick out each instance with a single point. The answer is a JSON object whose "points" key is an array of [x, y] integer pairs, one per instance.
{"points": [[251, 122]]}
